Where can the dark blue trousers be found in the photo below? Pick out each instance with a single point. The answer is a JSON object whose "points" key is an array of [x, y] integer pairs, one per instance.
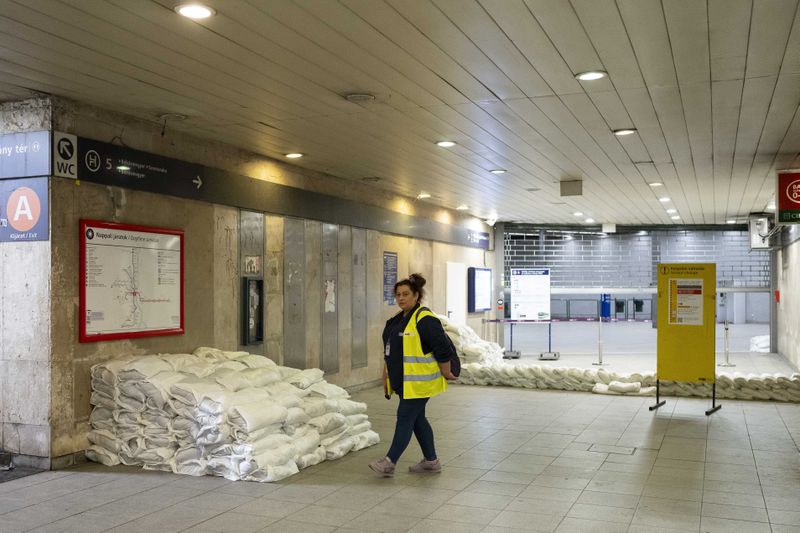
{"points": [[411, 419]]}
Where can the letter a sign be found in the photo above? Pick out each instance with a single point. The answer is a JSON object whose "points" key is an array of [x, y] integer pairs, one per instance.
{"points": [[23, 210]]}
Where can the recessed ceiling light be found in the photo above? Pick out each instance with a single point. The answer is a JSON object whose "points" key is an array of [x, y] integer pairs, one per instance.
{"points": [[462, 207], [589, 220], [671, 211], [194, 11], [624, 131], [591, 75], [675, 217], [664, 199], [498, 171], [294, 155], [577, 214], [445, 144], [655, 184], [642, 232], [423, 195], [359, 98], [731, 221]]}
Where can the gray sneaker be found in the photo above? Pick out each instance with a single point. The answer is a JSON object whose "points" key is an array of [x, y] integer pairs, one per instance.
{"points": [[426, 466], [384, 467]]}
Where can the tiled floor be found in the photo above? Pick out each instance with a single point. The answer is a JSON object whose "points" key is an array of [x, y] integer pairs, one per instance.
{"points": [[515, 460]]}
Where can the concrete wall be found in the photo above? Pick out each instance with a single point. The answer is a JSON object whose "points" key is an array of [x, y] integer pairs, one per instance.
{"points": [[212, 276], [789, 307], [25, 322]]}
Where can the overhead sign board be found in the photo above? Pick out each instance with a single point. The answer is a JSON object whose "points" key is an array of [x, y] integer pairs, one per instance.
{"points": [[530, 294], [23, 210], [787, 197], [25, 155]]}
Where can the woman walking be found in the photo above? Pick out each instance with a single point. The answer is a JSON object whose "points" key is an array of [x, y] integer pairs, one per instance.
{"points": [[417, 356]]}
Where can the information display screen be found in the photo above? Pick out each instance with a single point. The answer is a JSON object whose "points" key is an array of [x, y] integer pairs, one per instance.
{"points": [[479, 289], [530, 294]]}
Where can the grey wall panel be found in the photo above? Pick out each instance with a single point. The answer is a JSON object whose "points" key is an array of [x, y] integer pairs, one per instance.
{"points": [[313, 293], [344, 296], [359, 292], [330, 296], [294, 328], [251, 260]]}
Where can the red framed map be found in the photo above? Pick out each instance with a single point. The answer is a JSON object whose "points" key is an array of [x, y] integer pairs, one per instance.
{"points": [[131, 281]]}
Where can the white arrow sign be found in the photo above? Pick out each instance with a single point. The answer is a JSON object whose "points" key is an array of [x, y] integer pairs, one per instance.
{"points": [[197, 181]]}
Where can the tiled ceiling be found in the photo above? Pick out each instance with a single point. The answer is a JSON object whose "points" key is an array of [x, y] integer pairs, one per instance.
{"points": [[712, 88]]}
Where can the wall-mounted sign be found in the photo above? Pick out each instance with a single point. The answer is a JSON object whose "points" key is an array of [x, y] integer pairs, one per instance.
{"points": [[530, 294], [131, 281], [389, 276], [24, 155], [479, 289], [787, 197], [23, 210]]}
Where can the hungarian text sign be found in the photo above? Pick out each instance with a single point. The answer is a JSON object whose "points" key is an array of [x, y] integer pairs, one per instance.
{"points": [[788, 197]]}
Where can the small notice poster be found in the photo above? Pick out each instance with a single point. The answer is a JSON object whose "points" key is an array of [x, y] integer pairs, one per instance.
{"points": [[389, 276], [686, 302], [131, 281], [530, 294]]}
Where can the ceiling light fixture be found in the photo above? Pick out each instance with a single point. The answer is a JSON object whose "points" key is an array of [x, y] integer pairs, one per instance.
{"points": [[731, 221], [589, 220], [577, 214], [498, 171], [591, 75], [664, 199], [423, 195], [194, 11], [655, 184], [294, 155], [462, 207], [624, 131], [675, 217], [671, 211], [445, 144], [359, 98]]}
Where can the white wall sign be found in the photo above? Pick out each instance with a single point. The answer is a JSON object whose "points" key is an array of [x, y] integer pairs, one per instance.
{"points": [[132, 281], [530, 294]]}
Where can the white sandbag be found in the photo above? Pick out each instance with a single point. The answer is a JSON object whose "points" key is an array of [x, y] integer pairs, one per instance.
{"points": [[200, 370], [273, 473], [354, 420], [179, 360], [359, 428], [306, 440], [759, 343], [99, 399], [107, 372], [98, 454], [310, 459], [306, 378], [327, 390], [108, 389], [190, 468], [105, 439], [349, 407], [156, 389], [256, 361], [338, 449], [259, 434], [328, 422], [281, 389], [296, 416], [102, 418], [326, 439], [192, 392], [287, 372], [209, 354], [618, 386], [365, 439], [252, 416], [234, 355], [143, 368], [315, 407]]}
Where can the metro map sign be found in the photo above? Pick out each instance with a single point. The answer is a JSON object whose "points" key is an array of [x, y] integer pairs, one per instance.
{"points": [[788, 197]]}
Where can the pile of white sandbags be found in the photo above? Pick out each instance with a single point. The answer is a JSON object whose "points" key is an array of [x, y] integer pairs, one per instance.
{"points": [[470, 347], [230, 414], [759, 343], [484, 365]]}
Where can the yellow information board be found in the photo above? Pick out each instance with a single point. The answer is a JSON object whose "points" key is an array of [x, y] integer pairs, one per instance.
{"points": [[686, 322]]}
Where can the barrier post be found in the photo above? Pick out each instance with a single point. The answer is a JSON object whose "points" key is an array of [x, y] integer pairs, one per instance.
{"points": [[725, 344], [599, 342]]}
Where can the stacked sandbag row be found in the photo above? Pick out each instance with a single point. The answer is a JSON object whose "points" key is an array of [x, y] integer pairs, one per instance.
{"points": [[470, 347], [230, 414]]}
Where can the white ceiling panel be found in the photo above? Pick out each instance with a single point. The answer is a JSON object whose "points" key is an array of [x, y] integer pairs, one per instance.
{"points": [[711, 86]]}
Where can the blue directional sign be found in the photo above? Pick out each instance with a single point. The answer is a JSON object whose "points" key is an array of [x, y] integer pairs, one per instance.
{"points": [[24, 155]]}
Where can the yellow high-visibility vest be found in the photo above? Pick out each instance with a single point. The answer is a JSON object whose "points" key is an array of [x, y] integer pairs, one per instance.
{"points": [[421, 375]]}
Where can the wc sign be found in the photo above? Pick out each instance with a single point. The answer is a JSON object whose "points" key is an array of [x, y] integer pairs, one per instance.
{"points": [[65, 155], [23, 210]]}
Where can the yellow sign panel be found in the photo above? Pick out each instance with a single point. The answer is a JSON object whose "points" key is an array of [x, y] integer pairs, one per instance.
{"points": [[687, 322]]}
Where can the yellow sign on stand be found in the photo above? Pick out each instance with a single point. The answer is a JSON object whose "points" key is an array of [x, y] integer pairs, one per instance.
{"points": [[687, 322]]}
